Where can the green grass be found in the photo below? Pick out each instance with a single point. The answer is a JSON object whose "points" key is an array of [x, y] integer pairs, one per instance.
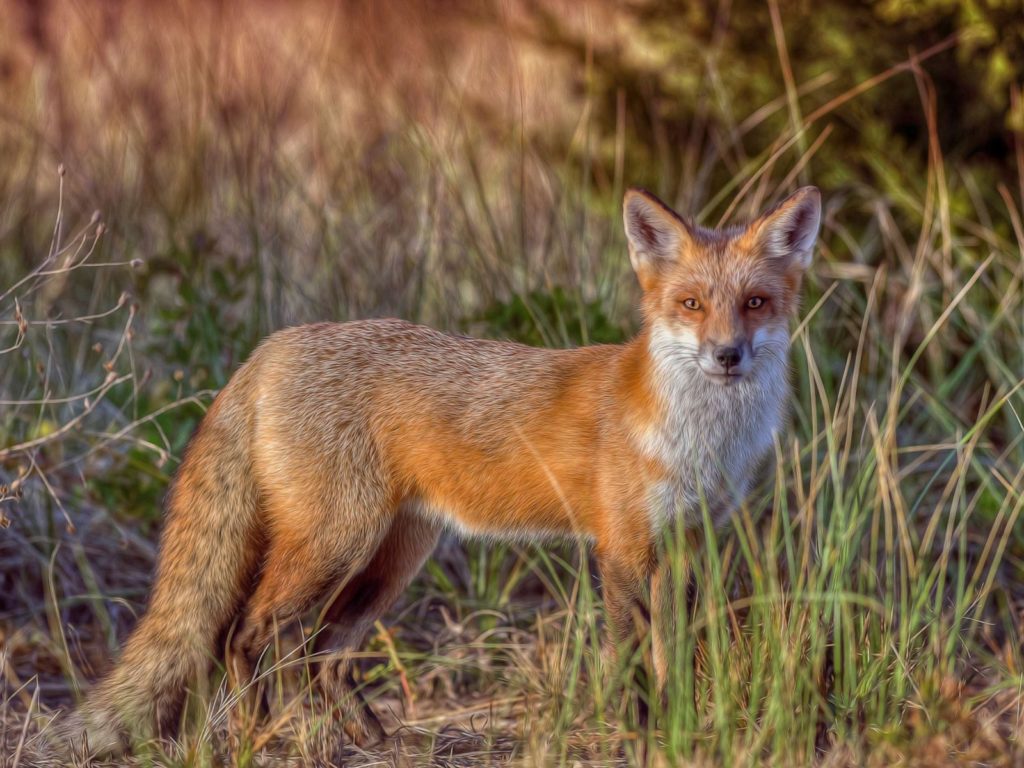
{"points": [[865, 606]]}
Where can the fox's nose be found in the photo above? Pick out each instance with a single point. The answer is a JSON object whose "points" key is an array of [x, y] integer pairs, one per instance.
{"points": [[727, 357]]}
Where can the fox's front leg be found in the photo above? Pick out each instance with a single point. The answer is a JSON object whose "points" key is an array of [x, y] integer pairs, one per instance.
{"points": [[666, 586], [672, 593], [625, 585]]}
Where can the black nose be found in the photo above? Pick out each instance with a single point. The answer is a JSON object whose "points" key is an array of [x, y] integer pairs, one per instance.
{"points": [[728, 356]]}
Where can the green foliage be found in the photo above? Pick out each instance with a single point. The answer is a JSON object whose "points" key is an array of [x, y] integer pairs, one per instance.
{"points": [[695, 78], [544, 318], [204, 310]]}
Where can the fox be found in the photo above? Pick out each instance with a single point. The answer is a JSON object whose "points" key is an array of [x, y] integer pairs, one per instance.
{"points": [[327, 468]]}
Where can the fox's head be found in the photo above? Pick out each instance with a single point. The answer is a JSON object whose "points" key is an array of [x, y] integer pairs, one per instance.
{"points": [[722, 297]]}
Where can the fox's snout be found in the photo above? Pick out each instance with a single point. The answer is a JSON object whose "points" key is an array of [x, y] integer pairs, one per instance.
{"points": [[728, 357], [726, 363]]}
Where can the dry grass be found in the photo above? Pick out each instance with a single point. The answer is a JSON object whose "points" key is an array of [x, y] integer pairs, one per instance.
{"points": [[866, 609]]}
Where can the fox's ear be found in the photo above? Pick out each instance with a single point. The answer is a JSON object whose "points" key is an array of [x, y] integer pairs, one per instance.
{"points": [[788, 231], [656, 235]]}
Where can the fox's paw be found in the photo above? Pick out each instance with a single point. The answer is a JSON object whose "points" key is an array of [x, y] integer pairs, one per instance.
{"points": [[342, 742], [80, 736], [363, 728]]}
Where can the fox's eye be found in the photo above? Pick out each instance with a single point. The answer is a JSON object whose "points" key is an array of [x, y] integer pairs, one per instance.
{"points": [[755, 302], [691, 303]]}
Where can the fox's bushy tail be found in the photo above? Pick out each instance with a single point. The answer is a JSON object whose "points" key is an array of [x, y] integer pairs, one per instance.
{"points": [[209, 550]]}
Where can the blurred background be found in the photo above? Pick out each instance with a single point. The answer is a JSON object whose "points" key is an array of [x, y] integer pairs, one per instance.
{"points": [[179, 179]]}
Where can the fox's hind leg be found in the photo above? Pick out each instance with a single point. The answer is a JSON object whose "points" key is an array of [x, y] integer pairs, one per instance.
{"points": [[301, 567], [351, 614]]}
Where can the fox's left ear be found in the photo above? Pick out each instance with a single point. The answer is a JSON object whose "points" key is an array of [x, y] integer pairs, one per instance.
{"points": [[788, 231]]}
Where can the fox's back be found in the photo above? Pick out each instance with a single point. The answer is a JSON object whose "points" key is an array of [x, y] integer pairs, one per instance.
{"points": [[448, 419], [341, 368]]}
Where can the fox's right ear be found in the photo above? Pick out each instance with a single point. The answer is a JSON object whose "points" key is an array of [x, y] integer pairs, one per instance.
{"points": [[789, 230], [656, 235]]}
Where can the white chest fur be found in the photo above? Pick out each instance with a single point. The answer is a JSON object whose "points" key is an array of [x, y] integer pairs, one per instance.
{"points": [[714, 437]]}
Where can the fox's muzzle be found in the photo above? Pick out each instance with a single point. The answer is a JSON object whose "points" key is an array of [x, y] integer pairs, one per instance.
{"points": [[726, 363]]}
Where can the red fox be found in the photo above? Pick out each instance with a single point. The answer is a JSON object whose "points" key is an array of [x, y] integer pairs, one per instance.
{"points": [[336, 455]]}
